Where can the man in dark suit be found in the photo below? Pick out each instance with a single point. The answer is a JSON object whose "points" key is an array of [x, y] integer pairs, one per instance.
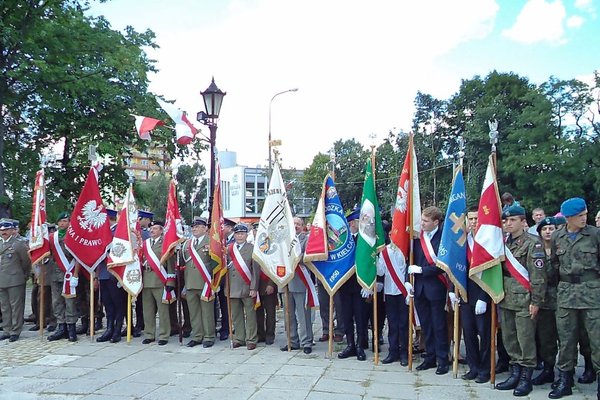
{"points": [[430, 291]]}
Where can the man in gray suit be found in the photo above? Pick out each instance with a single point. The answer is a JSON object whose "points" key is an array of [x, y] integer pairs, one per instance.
{"points": [[301, 334], [15, 267], [243, 287]]}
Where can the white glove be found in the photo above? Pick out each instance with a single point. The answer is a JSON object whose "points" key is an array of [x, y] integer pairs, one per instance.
{"points": [[365, 293], [453, 300], [415, 269], [119, 285], [379, 286], [74, 281], [480, 307], [410, 291]]}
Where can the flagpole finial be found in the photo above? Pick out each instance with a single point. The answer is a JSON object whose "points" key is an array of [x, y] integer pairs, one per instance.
{"points": [[460, 154], [493, 125]]}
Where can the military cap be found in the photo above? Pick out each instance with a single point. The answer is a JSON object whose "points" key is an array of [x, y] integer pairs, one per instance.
{"points": [[354, 214], [572, 207], [559, 219], [199, 221], [546, 221], [145, 214], [228, 222], [63, 215], [159, 223], [5, 224], [14, 222], [240, 228], [514, 211], [255, 225], [111, 213]]}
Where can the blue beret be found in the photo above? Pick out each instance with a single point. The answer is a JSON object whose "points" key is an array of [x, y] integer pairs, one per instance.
{"points": [[5, 224], [145, 214], [572, 207], [63, 215], [513, 211], [199, 221], [240, 228], [111, 213], [354, 214]]}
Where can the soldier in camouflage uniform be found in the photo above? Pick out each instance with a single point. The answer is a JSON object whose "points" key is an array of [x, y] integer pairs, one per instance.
{"points": [[522, 299], [576, 256], [546, 334]]}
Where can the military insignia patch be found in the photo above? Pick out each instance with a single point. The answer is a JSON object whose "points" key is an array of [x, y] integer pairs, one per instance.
{"points": [[539, 263]]}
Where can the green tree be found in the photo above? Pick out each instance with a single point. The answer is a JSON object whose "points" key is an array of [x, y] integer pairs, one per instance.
{"points": [[350, 159]]}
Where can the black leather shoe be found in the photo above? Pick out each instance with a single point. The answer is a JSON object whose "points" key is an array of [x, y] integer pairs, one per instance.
{"points": [[285, 348], [349, 351], [404, 361], [136, 333], [5, 336], [425, 365], [469, 376], [269, 342], [13, 338], [206, 345], [193, 343], [223, 336], [390, 359], [482, 378], [307, 350], [442, 369], [147, 341], [588, 376], [162, 342], [360, 354]]}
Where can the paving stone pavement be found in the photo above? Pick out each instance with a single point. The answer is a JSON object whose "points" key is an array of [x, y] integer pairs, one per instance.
{"points": [[32, 368]]}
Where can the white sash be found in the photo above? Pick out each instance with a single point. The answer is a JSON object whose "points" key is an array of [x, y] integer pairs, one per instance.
{"points": [[207, 294], [517, 270], [311, 299], [65, 265], [154, 263]]}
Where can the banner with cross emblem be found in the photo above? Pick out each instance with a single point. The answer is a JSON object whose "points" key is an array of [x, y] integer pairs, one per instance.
{"points": [[452, 254]]}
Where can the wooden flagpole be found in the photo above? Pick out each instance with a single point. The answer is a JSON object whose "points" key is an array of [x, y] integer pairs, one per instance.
{"points": [[287, 318], [41, 304], [129, 322], [228, 310], [92, 303], [330, 339], [375, 321], [493, 125], [456, 341]]}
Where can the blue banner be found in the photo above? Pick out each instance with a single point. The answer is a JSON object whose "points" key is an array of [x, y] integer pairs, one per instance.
{"points": [[339, 265], [452, 254]]}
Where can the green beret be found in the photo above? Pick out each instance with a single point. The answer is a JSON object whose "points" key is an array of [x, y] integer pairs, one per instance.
{"points": [[514, 211], [63, 215]]}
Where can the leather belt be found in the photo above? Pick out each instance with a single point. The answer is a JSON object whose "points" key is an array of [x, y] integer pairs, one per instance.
{"points": [[586, 276]]}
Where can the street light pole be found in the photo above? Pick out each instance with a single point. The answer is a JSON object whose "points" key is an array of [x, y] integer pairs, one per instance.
{"points": [[270, 140]]}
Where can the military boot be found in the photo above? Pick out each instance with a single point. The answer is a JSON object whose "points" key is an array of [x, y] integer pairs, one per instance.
{"points": [[524, 386], [116, 337], [513, 379], [85, 325], [563, 387], [108, 333], [546, 376], [72, 332], [59, 333], [588, 376], [555, 383]]}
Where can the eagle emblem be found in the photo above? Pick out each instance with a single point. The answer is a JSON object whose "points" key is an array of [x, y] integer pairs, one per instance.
{"points": [[402, 197], [92, 217]]}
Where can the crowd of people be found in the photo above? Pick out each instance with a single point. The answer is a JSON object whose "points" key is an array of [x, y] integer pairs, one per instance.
{"points": [[550, 309]]}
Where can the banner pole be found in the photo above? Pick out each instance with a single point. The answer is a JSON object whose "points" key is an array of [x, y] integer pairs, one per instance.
{"points": [[456, 341], [129, 322], [230, 322], [411, 304], [41, 304], [493, 346], [375, 327], [330, 339], [287, 318], [92, 304]]}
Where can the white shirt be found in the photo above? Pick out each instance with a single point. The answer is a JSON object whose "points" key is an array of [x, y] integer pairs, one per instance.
{"points": [[397, 259]]}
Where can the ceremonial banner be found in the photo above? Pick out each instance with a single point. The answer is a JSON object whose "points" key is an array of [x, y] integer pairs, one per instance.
{"points": [[144, 125], [173, 232], [216, 245], [276, 247], [316, 244], [488, 244], [88, 236], [184, 130], [452, 253], [407, 209], [371, 238], [39, 242], [123, 259], [339, 265]]}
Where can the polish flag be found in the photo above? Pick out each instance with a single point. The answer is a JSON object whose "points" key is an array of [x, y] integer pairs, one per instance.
{"points": [[184, 130], [144, 125]]}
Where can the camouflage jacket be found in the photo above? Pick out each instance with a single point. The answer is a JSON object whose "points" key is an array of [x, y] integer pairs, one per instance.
{"points": [[578, 264], [549, 302], [529, 251]]}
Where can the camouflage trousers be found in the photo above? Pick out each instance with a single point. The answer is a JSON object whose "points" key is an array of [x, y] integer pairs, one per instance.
{"points": [[569, 323], [518, 335], [547, 336]]}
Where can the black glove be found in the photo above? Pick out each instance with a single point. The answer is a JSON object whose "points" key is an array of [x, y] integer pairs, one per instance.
{"points": [[169, 288]]}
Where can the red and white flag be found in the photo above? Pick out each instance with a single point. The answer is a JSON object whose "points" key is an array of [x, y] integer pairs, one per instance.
{"points": [[316, 245], [39, 244], [184, 129], [88, 236], [144, 125], [123, 259], [173, 233], [407, 209]]}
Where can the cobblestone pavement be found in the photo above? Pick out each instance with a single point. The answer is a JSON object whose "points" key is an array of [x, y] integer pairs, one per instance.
{"points": [[32, 368]]}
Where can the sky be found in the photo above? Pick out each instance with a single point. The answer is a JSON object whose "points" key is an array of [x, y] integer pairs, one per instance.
{"points": [[357, 65]]}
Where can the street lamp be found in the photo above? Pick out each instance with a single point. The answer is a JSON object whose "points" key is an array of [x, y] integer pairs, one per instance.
{"points": [[270, 141], [213, 98]]}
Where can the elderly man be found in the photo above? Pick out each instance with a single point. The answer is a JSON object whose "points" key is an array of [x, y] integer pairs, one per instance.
{"points": [[15, 267]]}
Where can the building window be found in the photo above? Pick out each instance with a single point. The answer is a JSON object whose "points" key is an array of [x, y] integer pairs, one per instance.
{"points": [[225, 195]]}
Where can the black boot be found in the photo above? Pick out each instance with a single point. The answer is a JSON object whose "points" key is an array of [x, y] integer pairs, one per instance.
{"points": [[116, 337], [98, 324], [108, 333], [546, 376], [563, 387], [588, 376], [524, 386], [513, 379], [72, 332], [85, 325], [59, 333]]}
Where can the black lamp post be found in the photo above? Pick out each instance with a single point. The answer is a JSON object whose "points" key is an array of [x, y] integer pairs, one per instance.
{"points": [[213, 98]]}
